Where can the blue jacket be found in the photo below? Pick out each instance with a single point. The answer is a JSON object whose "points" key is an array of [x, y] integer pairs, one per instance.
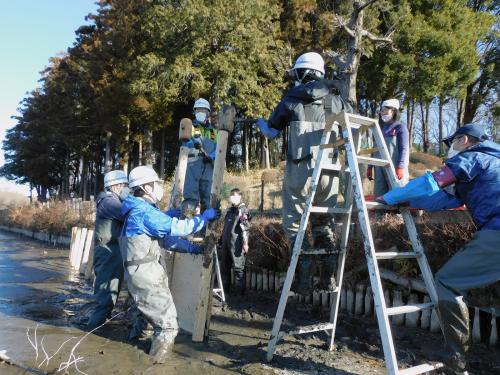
{"points": [[142, 217], [477, 171], [108, 206]]}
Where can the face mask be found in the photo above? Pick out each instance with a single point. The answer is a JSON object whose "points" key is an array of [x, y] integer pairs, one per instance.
{"points": [[124, 193], [157, 192], [235, 200], [200, 116], [452, 152], [386, 118]]}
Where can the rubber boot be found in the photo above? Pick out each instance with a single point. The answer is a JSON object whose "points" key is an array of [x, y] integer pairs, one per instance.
{"points": [[454, 361], [162, 345], [327, 269], [141, 329]]}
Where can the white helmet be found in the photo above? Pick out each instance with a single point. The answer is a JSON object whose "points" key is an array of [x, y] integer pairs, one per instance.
{"points": [[201, 103], [310, 60], [115, 178], [391, 103], [142, 175]]}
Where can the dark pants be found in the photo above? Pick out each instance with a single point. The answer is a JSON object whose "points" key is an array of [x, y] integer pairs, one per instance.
{"points": [[108, 268], [476, 265], [230, 257]]}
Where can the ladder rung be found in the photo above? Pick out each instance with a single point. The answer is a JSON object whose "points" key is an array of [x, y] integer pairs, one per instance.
{"points": [[360, 120], [328, 210], [420, 369], [308, 329], [396, 255], [318, 252], [405, 309], [331, 167], [380, 206], [373, 161]]}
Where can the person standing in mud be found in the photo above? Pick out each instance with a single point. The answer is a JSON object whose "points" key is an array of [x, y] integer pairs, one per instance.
{"points": [[145, 226], [302, 111], [200, 169], [397, 141], [473, 167], [234, 242], [108, 263]]}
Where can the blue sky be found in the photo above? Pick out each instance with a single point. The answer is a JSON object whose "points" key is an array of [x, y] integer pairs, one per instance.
{"points": [[32, 31]]}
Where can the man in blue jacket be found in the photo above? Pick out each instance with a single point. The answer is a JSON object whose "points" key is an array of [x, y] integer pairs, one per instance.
{"points": [[145, 226], [302, 113], [108, 263], [473, 167]]}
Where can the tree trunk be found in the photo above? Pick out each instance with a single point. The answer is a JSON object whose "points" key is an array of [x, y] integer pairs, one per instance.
{"points": [[245, 147], [410, 119], [460, 113], [440, 125], [126, 150], [147, 152], [162, 154], [81, 170], [424, 110], [265, 163], [107, 158]]}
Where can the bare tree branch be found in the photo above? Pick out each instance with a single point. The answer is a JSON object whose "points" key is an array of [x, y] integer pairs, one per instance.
{"points": [[337, 58], [375, 38], [365, 5], [339, 21]]}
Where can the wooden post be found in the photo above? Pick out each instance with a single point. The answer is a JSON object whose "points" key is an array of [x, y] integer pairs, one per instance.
{"points": [[86, 251], [265, 282], [398, 301], [350, 301], [360, 296], [79, 249], [185, 129], [73, 240], [368, 301], [435, 325], [75, 245], [411, 319], [271, 281], [476, 327], [425, 319], [204, 308], [493, 333]]}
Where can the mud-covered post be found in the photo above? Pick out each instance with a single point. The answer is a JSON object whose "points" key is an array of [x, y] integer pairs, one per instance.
{"points": [[185, 130], [204, 308]]}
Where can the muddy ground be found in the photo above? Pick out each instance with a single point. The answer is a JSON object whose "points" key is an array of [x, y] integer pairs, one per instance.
{"points": [[37, 289]]}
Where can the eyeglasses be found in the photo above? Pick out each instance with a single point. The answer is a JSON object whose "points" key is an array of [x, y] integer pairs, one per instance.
{"points": [[457, 138]]}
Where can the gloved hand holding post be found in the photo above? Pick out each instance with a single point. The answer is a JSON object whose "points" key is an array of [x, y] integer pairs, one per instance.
{"points": [[268, 132], [210, 214], [181, 245], [174, 212]]}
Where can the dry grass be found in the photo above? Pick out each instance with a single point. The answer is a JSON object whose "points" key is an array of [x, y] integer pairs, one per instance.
{"points": [[57, 218]]}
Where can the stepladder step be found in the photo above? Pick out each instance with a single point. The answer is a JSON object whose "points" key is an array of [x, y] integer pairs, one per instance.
{"points": [[319, 251], [329, 210], [308, 329], [373, 161], [409, 308], [380, 206], [420, 369], [396, 255]]}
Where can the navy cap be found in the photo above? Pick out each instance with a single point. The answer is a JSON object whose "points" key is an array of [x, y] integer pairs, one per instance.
{"points": [[474, 130]]}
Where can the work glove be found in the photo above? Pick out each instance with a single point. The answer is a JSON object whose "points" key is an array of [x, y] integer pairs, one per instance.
{"points": [[400, 173], [268, 132], [180, 245], [189, 144], [419, 187], [174, 212], [369, 173], [210, 214], [212, 154], [197, 143]]}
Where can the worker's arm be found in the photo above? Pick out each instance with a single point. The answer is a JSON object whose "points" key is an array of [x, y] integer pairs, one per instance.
{"points": [[159, 224], [180, 245], [441, 200], [420, 187]]}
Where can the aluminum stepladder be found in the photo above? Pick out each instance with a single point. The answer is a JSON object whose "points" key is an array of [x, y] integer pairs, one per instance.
{"points": [[219, 291], [352, 126]]}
